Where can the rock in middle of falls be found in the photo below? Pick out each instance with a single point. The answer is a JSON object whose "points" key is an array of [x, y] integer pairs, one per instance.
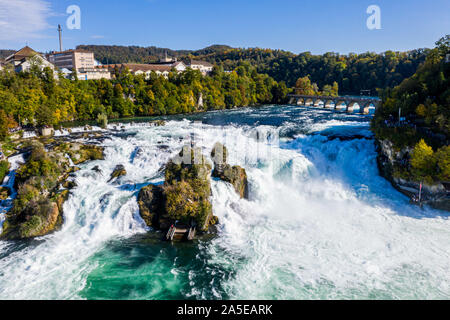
{"points": [[185, 197], [119, 171], [235, 175]]}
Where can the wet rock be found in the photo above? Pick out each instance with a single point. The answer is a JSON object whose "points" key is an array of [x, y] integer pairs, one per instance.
{"points": [[151, 205], [80, 153], [70, 184], [37, 218], [235, 175], [74, 169], [97, 169], [5, 192], [157, 123], [119, 171]]}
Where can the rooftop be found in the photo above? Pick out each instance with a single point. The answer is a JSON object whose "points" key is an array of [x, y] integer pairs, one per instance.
{"points": [[25, 52], [139, 67], [201, 63]]}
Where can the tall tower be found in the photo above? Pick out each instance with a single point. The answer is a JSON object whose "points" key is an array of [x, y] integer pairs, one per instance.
{"points": [[60, 38]]}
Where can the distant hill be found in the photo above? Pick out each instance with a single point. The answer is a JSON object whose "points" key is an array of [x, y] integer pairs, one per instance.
{"points": [[6, 53], [135, 54]]}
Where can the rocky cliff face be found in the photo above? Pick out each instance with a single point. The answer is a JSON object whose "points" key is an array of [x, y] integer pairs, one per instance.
{"points": [[38, 208], [437, 195]]}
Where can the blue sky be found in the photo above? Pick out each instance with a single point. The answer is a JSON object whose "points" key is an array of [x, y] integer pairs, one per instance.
{"points": [[318, 26]]}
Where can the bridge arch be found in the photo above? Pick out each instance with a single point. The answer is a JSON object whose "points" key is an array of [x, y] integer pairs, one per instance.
{"points": [[341, 105], [353, 106], [369, 108], [330, 104], [309, 102], [319, 103], [300, 101]]}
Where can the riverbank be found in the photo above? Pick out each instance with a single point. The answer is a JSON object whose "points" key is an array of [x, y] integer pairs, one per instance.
{"points": [[390, 161]]}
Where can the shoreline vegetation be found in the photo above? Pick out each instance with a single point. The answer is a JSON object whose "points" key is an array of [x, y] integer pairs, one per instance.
{"points": [[412, 129], [37, 99]]}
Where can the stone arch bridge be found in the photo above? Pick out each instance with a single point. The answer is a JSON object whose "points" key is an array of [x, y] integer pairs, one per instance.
{"points": [[349, 104]]}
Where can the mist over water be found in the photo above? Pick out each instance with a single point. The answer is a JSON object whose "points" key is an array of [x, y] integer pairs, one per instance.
{"points": [[320, 223]]}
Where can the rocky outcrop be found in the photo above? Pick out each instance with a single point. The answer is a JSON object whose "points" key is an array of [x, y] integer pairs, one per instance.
{"points": [[151, 205], [80, 153], [119, 171], [235, 175], [5, 192], [185, 196], [188, 189], [389, 160], [38, 208], [4, 168], [97, 169], [157, 123]]}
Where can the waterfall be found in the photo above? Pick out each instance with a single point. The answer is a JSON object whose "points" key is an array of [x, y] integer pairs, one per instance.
{"points": [[320, 222]]}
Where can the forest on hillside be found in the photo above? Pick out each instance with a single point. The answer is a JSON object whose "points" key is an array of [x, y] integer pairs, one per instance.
{"points": [[352, 72], [423, 101], [135, 54]]}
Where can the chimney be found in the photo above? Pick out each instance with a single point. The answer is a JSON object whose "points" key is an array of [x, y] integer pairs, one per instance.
{"points": [[60, 38]]}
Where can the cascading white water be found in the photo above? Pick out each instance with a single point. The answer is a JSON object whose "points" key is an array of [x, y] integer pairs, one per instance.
{"points": [[321, 223]]}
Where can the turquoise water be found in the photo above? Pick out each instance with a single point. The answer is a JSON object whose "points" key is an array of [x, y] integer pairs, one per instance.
{"points": [[320, 223]]}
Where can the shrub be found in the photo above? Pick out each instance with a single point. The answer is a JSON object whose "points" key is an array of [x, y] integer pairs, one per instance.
{"points": [[102, 120], [4, 168], [443, 163]]}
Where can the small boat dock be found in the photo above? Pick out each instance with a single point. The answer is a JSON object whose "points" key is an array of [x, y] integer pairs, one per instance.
{"points": [[180, 232]]}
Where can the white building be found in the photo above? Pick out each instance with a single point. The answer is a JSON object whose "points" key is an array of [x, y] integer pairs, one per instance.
{"points": [[203, 66], [72, 59], [25, 58], [146, 69], [93, 74], [179, 66]]}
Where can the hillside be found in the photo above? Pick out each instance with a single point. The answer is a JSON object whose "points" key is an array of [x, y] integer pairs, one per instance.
{"points": [[135, 54], [5, 53], [353, 72]]}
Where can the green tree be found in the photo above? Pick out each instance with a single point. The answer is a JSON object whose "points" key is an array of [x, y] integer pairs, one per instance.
{"points": [[423, 161], [44, 116]]}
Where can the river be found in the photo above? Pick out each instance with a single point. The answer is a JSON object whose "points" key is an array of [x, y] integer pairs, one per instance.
{"points": [[320, 222]]}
